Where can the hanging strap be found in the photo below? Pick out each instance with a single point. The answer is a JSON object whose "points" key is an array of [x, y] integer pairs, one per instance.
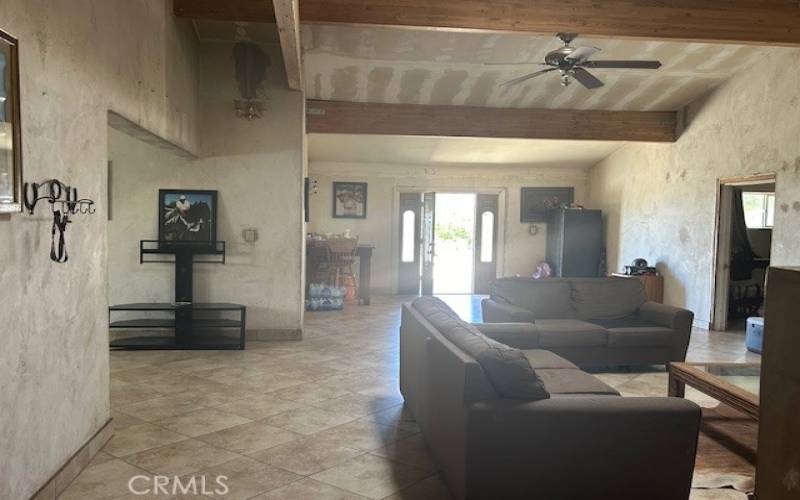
{"points": [[59, 224]]}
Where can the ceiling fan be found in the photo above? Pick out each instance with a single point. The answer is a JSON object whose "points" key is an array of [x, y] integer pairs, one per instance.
{"points": [[572, 63]]}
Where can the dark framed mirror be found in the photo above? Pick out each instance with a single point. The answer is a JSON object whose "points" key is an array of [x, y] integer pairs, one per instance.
{"points": [[10, 129]]}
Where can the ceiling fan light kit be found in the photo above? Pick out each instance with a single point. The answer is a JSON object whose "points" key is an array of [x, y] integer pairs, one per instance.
{"points": [[571, 62]]}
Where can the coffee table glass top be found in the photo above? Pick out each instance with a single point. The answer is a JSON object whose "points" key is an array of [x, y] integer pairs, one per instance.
{"points": [[743, 376]]}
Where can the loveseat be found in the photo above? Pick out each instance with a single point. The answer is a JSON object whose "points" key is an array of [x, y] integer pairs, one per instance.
{"points": [[505, 423], [590, 321]]}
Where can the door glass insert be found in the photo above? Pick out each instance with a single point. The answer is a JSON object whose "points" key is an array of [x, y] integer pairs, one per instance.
{"points": [[408, 237], [487, 236]]}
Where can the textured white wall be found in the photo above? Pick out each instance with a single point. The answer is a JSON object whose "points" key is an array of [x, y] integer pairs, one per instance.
{"points": [[257, 167], [659, 200], [78, 59], [520, 251]]}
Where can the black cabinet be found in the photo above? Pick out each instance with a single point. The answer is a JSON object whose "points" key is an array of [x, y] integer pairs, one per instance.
{"points": [[575, 242]]}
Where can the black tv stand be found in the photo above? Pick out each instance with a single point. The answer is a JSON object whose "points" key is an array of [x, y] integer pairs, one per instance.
{"points": [[194, 325]]}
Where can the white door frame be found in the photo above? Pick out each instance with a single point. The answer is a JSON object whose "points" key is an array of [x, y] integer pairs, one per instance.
{"points": [[722, 243], [502, 201]]}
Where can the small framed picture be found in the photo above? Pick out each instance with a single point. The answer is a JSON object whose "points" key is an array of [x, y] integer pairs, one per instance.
{"points": [[186, 215], [350, 200]]}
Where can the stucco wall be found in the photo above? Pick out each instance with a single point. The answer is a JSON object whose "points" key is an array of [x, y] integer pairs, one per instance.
{"points": [[660, 200], [257, 167], [78, 59], [519, 250]]}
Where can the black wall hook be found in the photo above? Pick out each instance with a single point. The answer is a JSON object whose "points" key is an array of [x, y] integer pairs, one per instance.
{"points": [[64, 202]]}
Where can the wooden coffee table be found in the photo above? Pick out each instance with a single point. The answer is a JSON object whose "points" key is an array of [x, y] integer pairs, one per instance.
{"points": [[735, 384]]}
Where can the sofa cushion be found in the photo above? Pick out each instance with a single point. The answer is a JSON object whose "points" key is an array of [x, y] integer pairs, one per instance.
{"points": [[607, 298], [560, 381], [641, 336], [626, 322], [548, 298], [541, 360], [506, 368], [570, 333]]}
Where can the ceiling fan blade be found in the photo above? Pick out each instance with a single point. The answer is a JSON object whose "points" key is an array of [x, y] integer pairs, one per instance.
{"points": [[582, 53], [526, 77], [514, 64], [586, 79], [623, 64]]}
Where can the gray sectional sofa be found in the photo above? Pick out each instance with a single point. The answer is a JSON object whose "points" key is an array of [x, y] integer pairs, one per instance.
{"points": [[505, 423], [590, 321]]}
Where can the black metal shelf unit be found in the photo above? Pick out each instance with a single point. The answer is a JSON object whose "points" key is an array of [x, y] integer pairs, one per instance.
{"points": [[194, 325]]}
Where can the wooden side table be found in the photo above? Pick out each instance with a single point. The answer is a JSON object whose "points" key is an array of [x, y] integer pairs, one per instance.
{"points": [[653, 285]]}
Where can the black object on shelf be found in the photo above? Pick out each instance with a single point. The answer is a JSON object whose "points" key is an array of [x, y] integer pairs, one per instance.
{"points": [[195, 325], [574, 242], [193, 328]]}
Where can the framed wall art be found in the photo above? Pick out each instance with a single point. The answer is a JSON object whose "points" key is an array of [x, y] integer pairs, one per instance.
{"points": [[186, 215], [350, 200], [10, 129], [536, 201]]}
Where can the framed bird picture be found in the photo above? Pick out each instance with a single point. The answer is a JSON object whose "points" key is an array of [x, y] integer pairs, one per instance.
{"points": [[186, 215], [350, 200]]}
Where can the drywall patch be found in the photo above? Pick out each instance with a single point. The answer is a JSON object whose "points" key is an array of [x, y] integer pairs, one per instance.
{"points": [[448, 86], [411, 85], [482, 89], [343, 82], [377, 82]]}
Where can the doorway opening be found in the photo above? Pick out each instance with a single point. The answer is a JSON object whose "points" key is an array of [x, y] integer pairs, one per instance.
{"points": [[448, 243], [745, 221], [454, 230]]}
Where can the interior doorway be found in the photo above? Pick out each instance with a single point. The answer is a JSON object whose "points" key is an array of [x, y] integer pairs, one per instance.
{"points": [[745, 221], [448, 243]]}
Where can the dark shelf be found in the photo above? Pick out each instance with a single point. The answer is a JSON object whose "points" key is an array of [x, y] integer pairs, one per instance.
{"points": [[161, 343], [214, 249], [167, 306], [197, 323]]}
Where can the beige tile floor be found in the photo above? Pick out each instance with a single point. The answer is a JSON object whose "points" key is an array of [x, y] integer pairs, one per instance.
{"points": [[320, 419]]}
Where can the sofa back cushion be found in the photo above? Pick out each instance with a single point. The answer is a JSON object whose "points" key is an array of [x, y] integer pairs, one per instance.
{"points": [[546, 299], [506, 368], [607, 298]]}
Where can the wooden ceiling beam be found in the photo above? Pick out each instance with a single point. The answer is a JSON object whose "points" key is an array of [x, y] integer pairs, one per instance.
{"points": [[254, 11], [287, 16], [337, 117], [765, 22]]}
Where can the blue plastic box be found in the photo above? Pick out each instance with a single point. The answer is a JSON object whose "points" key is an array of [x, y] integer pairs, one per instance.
{"points": [[754, 338]]}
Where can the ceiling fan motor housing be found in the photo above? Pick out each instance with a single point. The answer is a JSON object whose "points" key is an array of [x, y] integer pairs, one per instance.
{"points": [[558, 58]]}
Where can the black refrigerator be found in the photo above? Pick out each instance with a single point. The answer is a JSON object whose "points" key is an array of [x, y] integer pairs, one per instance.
{"points": [[575, 242]]}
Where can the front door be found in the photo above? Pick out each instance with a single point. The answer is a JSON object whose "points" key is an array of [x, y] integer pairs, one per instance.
{"points": [[408, 276], [485, 251], [428, 241]]}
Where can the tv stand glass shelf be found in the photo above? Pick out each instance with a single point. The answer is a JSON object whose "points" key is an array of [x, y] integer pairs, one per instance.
{"points": [[196, 325]]}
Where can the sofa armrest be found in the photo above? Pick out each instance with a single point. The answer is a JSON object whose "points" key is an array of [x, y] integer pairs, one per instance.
{"points": [[518, 335], [569, 447], [503, 312], [677, 319]]}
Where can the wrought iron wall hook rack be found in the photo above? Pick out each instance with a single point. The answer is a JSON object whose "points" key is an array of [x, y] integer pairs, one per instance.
{"points": [[64, 202], [62, 198]]}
